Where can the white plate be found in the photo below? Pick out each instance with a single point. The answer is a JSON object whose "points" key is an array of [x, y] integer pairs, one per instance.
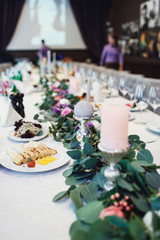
{"points": [[154, 126], [45, 130], [139, 108], [62, 159]]}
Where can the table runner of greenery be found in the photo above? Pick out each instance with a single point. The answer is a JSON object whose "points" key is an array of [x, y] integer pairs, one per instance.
{"points": [[130, 210]]}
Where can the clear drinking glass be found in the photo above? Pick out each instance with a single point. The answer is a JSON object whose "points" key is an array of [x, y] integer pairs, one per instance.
{"points": [[154, 98], [141, 97]]}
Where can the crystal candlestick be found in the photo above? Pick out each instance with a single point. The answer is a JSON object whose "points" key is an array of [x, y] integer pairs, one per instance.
{"points": [[111, 172], [83, 132], [83, 112]]}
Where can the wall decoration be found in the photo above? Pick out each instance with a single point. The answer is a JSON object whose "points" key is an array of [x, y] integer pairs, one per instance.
{"points": [[150, 14]]}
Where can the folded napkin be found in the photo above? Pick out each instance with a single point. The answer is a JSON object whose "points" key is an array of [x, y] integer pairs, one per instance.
{"points": [[8, 115]]}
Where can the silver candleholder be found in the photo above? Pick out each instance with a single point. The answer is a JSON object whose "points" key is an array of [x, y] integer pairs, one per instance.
{"points": [[83, 131], [111, 172]]}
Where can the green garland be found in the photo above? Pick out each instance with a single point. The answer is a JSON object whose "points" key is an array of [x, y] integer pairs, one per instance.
{"points": [[136, 191]]}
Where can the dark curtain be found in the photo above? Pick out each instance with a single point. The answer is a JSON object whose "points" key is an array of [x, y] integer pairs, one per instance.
{"points": [[91, 16], [10, 11]]}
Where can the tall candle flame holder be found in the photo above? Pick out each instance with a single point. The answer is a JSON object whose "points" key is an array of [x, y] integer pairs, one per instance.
{"points": [[83, 131], [111, 172]]}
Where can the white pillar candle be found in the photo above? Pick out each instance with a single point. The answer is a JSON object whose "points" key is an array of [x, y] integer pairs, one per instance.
{"points": [[49, 61], [89, 82], [97, 91], [114, 127], [54, 61], [73, 85]]}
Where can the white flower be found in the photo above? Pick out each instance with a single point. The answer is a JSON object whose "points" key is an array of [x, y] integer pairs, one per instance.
{"points": [[64, 101], [57, 84], [147, 219]]}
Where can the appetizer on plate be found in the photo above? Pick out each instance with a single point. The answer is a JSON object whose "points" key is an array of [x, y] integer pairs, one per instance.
{"points": [[27, 129], [31, 152]]}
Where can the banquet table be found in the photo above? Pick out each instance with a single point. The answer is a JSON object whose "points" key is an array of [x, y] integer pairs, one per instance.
{"points": [[26, 207]]}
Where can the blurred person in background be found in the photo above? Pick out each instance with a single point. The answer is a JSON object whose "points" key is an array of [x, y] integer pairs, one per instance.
{"points": [[43, 50], [112, 56]]}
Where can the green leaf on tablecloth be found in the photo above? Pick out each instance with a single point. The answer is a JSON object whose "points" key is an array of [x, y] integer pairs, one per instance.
{"points": [[75, 154], [125, 185], [76, 198], [88, 149], [155, 222], [63, 194], [36, 116], [137, 230], [140, 202], [90, 192], [145, 155], [155, 203], [90, 212], [133, 138], [99, 179], [153, 179], [67, 172], [67, 145], [78, 226], [59, 196], [73, 181]]}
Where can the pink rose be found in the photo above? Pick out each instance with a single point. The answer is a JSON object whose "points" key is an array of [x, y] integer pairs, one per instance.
{"points": [[110, 211], [57, 98], [57, 90], [58, 104], [66, 111], [54, 87]]}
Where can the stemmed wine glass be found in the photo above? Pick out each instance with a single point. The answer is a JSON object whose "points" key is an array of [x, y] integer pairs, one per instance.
{"points": [[141, 97], [154, 98]]}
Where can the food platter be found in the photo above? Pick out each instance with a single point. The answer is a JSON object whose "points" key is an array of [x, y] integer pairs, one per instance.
{"points": [[61, 156]]}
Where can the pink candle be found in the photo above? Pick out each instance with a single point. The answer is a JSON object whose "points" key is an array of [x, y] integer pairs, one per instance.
{"points": [[73, 85], [114, 127]]}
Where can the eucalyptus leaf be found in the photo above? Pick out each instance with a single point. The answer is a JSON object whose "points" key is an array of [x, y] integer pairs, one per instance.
{"points": [[155, 203], [125, 185], [78, 226], [140, 202], [153, 179], [145, 155], [90, 212], [137, 166], [80, 235], [137, 230], [73, 181], [60, 196], [63, 194], [118, 222], [90, 192], [67, 172], [76, 198], [75, 154], [99, 179], [155, 222], [88, 149]]}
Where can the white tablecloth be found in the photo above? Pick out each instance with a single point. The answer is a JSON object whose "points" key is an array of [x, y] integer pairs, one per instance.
{"points": [[26, 208]]}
